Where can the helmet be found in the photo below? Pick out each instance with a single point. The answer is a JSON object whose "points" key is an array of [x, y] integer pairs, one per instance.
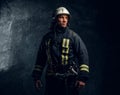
{"points": [[61, 10]]}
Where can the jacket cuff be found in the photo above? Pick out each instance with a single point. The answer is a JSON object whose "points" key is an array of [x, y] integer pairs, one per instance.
{"points": [[84, 79], [36, 75], [83, 76]]}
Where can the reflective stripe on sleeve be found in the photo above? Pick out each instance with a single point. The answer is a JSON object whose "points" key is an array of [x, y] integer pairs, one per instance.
{"points": [[84, 67], [38, 68]]}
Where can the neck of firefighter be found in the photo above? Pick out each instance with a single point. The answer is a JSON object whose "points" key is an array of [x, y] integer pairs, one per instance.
{"points": [[60, 29]]}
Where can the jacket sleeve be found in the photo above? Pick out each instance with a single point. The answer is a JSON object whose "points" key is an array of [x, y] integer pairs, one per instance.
{"points": [[83, 60], [40, 61]]}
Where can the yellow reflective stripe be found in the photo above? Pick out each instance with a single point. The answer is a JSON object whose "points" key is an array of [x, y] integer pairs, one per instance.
{"points": [[84, 69], [65, 51], [66, 62], [38, 66], [65, 43], [84, 66], [64, 59], [36, 69]]}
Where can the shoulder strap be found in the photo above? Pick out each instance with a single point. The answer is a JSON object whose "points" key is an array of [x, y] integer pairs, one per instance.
{"points": [[48, 51]]}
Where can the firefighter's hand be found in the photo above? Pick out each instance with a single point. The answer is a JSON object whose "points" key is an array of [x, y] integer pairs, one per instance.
{"points": [[79, 84], [38, 84]]}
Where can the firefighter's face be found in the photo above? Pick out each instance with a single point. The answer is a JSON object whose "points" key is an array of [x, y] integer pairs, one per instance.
{"points": [[62, 20]]}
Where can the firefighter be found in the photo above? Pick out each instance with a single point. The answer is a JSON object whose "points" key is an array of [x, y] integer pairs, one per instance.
{"points": [[65, 55]]}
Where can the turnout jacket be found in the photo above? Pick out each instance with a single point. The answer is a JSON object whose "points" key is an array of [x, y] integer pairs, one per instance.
{"points": [[60, 49]]}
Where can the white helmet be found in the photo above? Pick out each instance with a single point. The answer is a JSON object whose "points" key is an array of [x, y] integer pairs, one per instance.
{"points": [[61, 10]]}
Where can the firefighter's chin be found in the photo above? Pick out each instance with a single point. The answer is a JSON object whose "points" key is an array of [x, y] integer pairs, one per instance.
{"points": [[64, 25]]}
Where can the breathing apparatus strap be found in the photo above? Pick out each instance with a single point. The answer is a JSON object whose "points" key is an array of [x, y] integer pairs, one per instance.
{"points": [[49, 59]]}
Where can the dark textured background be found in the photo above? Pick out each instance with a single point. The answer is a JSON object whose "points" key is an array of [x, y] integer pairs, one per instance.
{"points": [[24, 22]]}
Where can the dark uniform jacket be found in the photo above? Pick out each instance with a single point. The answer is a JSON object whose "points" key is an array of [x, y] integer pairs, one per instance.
{"points": [[60, 49]]}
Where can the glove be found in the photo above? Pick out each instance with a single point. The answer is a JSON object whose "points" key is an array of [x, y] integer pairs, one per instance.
{"points": [[79, 84], [38, 84]]}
